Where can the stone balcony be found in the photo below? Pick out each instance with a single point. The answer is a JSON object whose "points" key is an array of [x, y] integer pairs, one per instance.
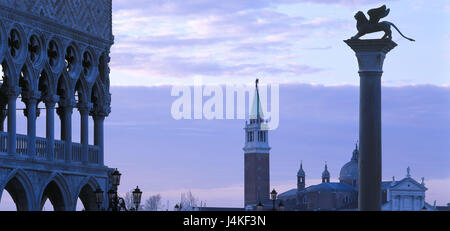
{"points": [[41, 150]]}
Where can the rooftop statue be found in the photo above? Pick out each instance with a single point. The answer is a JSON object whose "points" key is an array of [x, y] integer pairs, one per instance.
{"points": [[372, 25]]}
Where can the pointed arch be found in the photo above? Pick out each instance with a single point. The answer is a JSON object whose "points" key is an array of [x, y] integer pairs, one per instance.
{"points": [[9, 72], [97, 96], [51, 81], [64, 87], [86, 193], [82, 88], [27, 79], [56, 189], [19, 186]]}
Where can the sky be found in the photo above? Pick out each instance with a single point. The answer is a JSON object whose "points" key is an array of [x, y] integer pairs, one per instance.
{"points": [[165, 42], [295, 43]]}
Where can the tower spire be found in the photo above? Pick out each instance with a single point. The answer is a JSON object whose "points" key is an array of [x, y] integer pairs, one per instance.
{"points": [[256, 112], [326, 174], [300, 178]]}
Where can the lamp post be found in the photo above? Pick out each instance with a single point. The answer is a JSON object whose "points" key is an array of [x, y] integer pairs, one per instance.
{"points": [[137, 197], [273, 197], [99, 197], [115, 176], [117, 203]]}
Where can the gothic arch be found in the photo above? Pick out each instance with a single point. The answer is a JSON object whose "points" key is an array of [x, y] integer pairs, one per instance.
{"points": [[28, 76], [97, 96], [9, 72], [57, 191], [64, 87], [19, 186], [81, 87], [51, 80], [86, 193]]}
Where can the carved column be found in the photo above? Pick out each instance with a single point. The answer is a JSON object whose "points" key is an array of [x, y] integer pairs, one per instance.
{"points": [[3, 114], [30, 99], [84, 109], [64, 110], [99, 136], [50, 103], [12, 94], [370, 54]]}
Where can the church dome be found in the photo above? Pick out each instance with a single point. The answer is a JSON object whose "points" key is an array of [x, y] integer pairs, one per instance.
{"points": [[349, 172]]}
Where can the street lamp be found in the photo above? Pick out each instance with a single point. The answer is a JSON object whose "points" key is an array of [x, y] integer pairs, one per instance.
{"points": [[273, 197], [137, 193], [116, 177], [117, 203], [112, 198], [99, 198]]}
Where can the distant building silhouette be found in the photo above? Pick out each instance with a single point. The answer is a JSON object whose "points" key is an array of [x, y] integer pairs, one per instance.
{"points": [[406, 194]]}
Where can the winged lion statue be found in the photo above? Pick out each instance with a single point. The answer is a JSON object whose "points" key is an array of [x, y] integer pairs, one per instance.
{"points": [[366, 26]]}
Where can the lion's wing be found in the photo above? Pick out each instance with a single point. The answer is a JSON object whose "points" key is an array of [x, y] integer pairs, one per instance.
{"points": [[378, 13]]}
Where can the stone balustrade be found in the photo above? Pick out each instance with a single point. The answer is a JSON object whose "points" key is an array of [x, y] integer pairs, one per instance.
{"points": [[22, 141]]}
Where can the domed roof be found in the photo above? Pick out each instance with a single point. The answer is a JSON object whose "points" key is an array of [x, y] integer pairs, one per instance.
{"points": [[300, 171], [349, 172]]}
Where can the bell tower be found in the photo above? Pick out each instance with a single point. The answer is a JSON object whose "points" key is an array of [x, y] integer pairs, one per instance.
{"points": [[256, 155], [300, 178]]}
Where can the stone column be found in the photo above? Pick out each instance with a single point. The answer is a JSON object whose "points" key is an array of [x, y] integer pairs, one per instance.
{"points": [[3, 114], [99, 137], [370, 54], [30, 99], [84, 109], [65, 112], [50, 103], [12, 94]]}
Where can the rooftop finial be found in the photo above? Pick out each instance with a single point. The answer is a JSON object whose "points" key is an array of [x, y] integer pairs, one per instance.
{"points": [[423, 181], [408, 172]]}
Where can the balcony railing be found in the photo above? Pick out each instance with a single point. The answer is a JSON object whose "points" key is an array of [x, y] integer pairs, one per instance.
{"points": [[41, 149]]}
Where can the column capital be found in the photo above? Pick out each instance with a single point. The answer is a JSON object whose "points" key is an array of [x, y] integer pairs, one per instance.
{"points": [[31, 97], [13, 92], [67, 102], [84, 108], [51, 100], [101, 111], [371, 53], [65, 105]]}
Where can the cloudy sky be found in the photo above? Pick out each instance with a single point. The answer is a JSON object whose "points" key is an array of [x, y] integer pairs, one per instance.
{"points": [[285, 41], [296, 43]]}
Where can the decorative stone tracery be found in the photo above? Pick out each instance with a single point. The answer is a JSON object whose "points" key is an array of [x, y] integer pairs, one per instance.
{"points": [[54, 54]]}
